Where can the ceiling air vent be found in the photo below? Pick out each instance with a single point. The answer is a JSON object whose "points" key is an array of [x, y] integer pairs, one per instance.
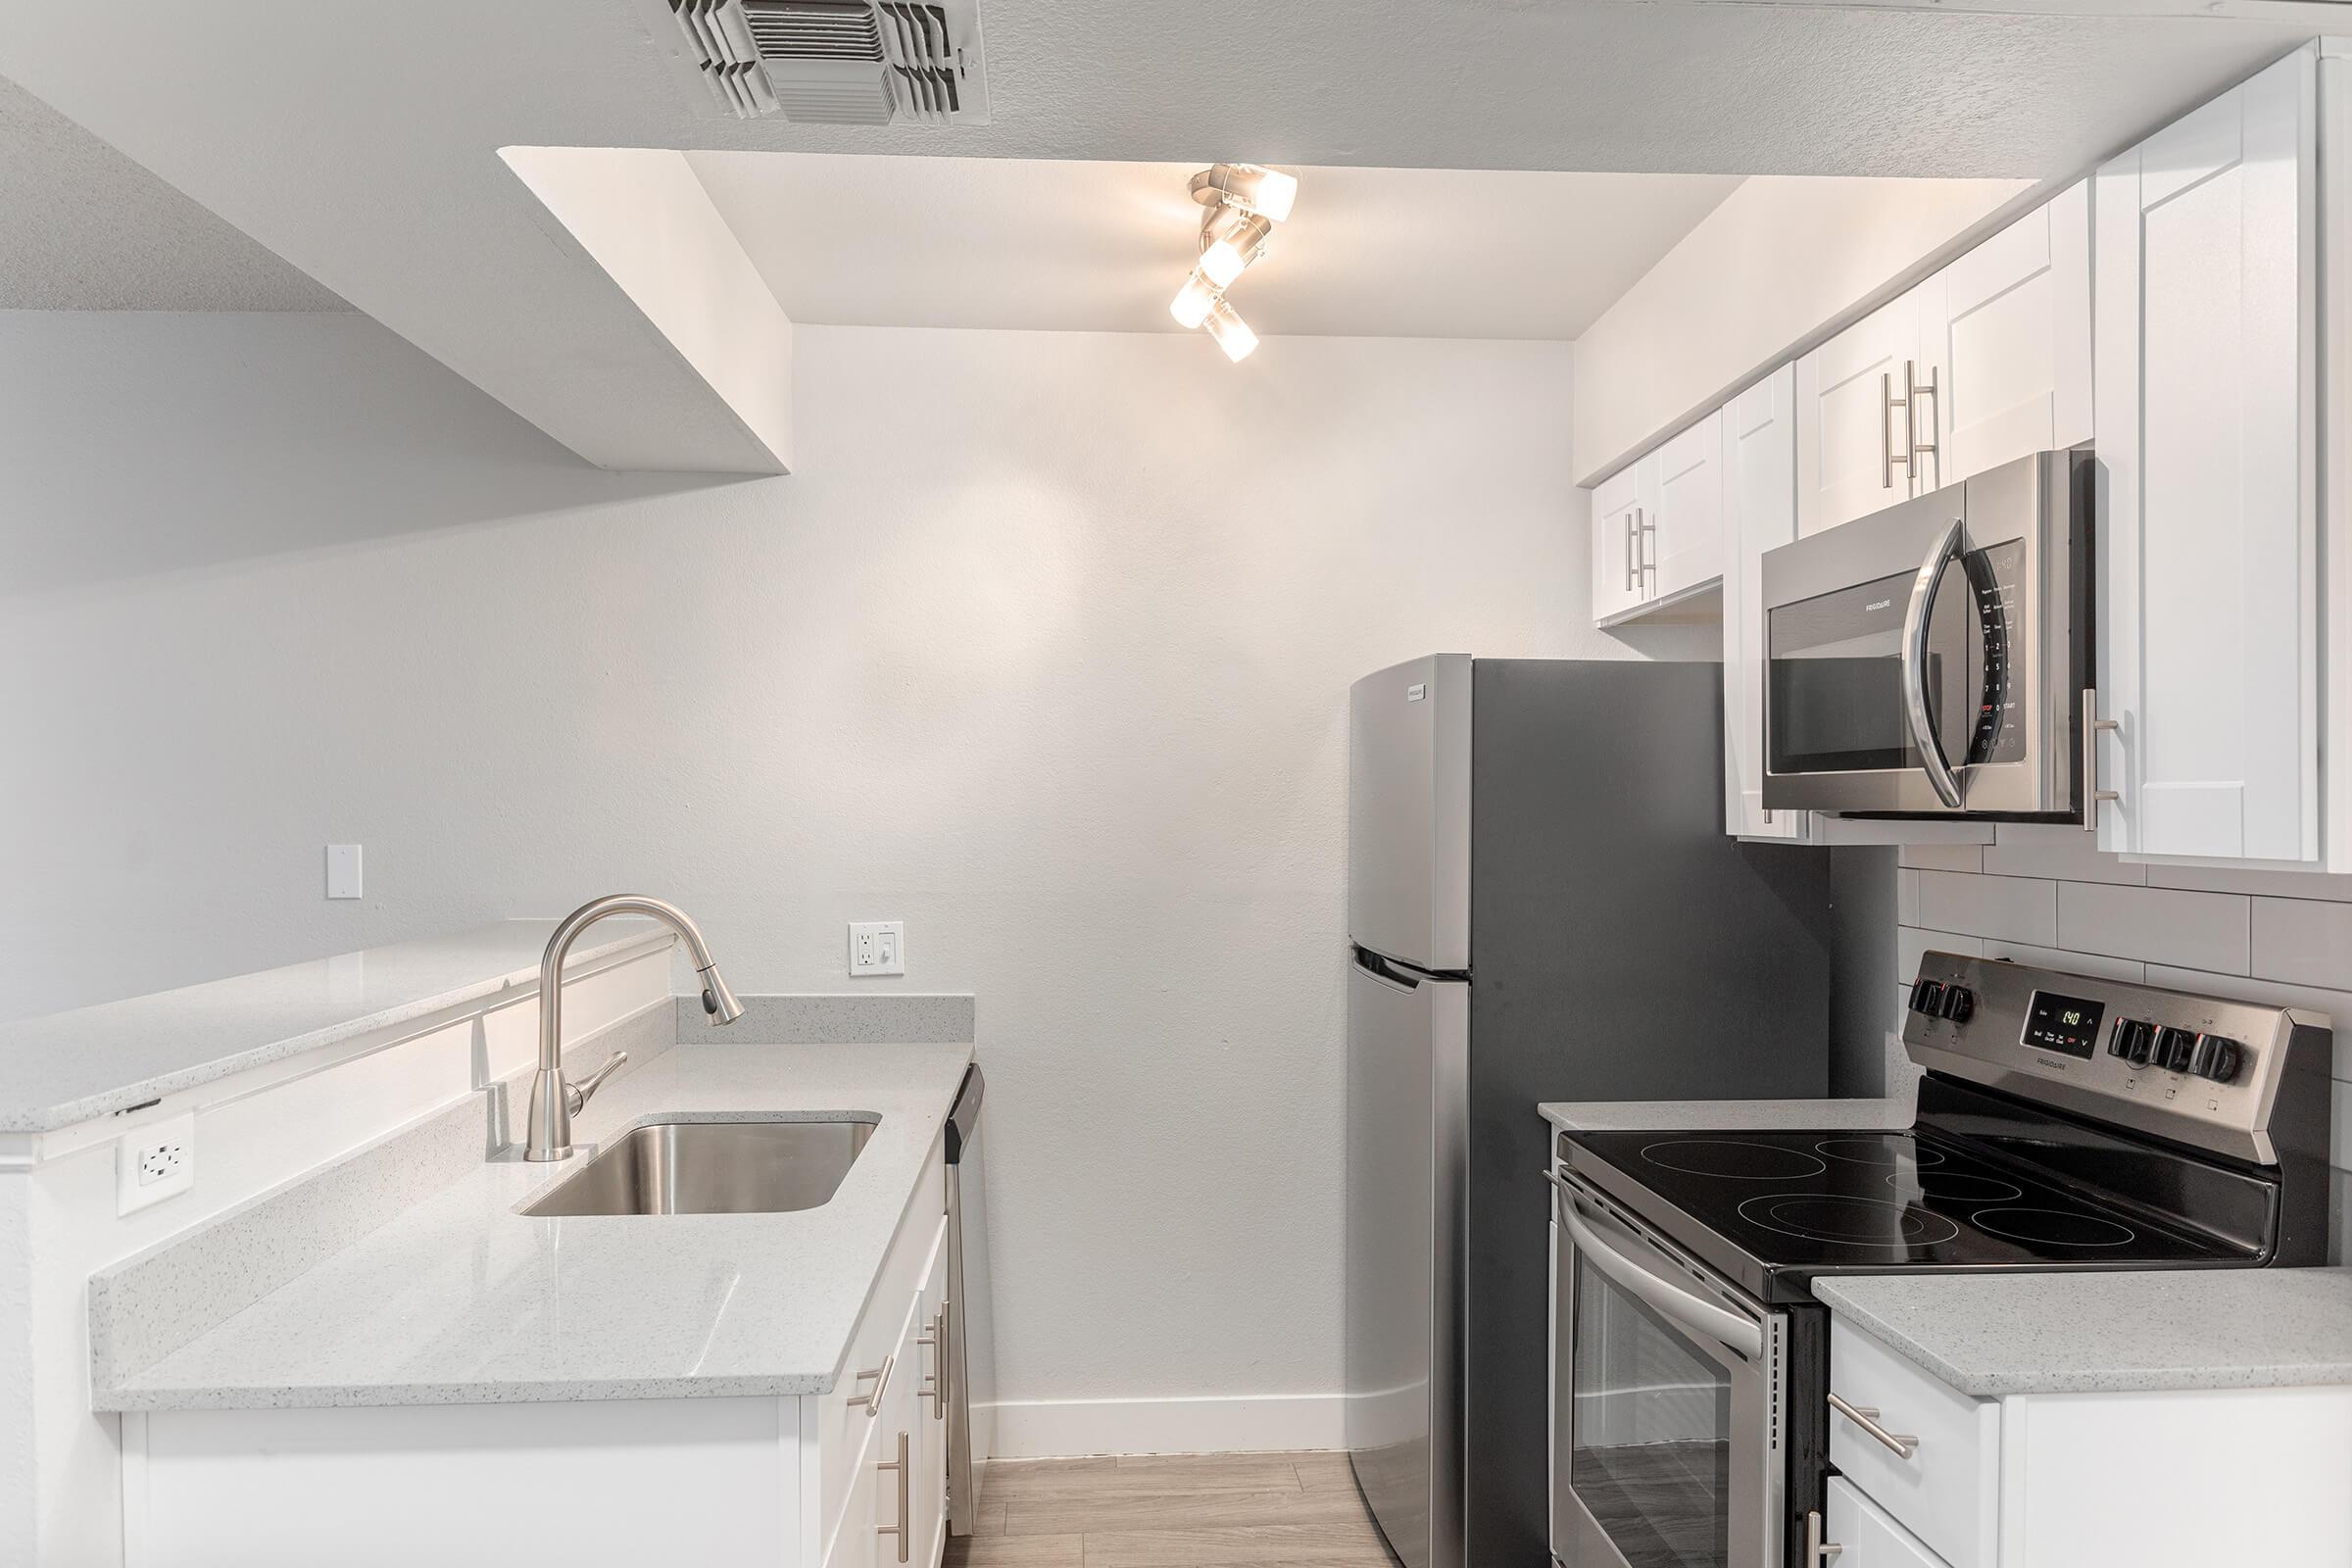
{"points": [[837, 62]]}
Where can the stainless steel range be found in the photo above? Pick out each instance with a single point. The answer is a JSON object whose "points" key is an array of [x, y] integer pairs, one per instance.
{"points": [[2064, 1123]]}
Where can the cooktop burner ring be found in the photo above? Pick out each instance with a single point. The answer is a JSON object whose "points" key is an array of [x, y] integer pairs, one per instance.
{"points": [[1783, 1165], [1960, 1187], [1884, 1153], [1913, 1227], [2072, 1227]]}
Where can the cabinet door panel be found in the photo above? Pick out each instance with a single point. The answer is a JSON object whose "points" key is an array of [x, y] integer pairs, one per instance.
{"points": [[1844, 428], [2208, 635], [1618, 582], [1866, 1537], [1759, 491], [2007, 338], [1687, 542]]}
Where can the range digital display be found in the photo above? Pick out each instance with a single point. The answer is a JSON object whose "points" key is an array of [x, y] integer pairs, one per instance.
{"points": [[2067, 1024]]}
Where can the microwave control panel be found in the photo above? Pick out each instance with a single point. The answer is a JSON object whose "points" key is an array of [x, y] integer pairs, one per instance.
{"points": [[1998, 735]]}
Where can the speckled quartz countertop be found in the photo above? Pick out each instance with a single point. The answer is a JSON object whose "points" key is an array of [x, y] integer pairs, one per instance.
{"points": [[461, 1300], [1642, 1115], [2109, 1333], [69, 1066]]}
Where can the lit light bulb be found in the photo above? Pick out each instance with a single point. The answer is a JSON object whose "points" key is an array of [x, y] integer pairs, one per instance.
{"points": [[1238, 241], [1275, 193], [1192, 301], [1232, 333]]}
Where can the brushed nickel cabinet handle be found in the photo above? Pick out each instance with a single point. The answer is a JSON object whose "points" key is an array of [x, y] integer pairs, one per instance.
{"points": [[1912, 393], [2092, 794], [1817, 1551], [935, 1382], [1887, 453], [873, 1398], [900, 1465], [1864, 1416]]}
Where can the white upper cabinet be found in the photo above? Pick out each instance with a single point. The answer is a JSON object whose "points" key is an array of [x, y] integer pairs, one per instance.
{"points": [[1986, 360], [2005, 344], [1759, 514], [1657, 525], [1688, 543], [1853, 455], [2206, 410], [1620, 583]]}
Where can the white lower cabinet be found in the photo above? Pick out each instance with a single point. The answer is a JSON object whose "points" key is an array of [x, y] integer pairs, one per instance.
{"points": [[758, 1481], [2183, 1479], [1866, 1537]]}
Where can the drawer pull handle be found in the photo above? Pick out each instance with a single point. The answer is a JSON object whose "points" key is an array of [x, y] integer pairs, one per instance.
{"points": [[900, 1529], [1818, 1551], [1867, 1418], [935, 1382], [873, 1398]]}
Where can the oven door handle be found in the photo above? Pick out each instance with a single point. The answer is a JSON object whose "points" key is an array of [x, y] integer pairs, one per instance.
{"points": [[1720, 1324], [1916, 618]]}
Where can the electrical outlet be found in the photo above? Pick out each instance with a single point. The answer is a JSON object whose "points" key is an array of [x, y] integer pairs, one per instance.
{"points": [[877, 946], [155, 1162]]}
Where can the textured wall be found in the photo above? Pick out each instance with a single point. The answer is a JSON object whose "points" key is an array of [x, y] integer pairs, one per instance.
{"points": [[1044, 651]]}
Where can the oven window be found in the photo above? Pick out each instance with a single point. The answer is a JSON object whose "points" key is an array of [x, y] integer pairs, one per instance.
{"points": [[1650, 1436], [1833, 680]]}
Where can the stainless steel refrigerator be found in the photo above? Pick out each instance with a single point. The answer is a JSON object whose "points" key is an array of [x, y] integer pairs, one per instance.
{"points": [[1543, 904]]}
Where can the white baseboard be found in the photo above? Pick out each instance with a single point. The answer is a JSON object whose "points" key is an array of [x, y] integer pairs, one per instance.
{"points": [[1056, 1429]]}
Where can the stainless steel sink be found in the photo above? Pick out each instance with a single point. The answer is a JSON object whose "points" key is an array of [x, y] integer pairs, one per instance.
{"points": [[712, 1167]]}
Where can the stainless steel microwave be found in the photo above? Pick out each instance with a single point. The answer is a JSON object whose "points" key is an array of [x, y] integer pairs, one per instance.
{"points": [[1931, 659]]}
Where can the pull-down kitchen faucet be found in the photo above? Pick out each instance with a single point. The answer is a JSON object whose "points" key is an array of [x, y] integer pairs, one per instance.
{"points": [[554, 1102]]}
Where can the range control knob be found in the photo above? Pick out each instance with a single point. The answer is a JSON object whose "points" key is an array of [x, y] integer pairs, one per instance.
{"points": [[2135, 1040], [1927, 997], [1959, 1002], [2217, 1058], [2174, 1049]]}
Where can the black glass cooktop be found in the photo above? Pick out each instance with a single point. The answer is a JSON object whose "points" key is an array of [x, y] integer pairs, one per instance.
{"points": [[1797, 1204]]}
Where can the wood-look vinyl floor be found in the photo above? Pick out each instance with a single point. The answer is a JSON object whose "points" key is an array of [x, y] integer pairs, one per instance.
{"points": [[1210, 1510]]}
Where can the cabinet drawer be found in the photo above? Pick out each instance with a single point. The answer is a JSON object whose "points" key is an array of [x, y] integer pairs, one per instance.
{"points": [[845, 1430], [1949, 1491], [1866, 1537]]}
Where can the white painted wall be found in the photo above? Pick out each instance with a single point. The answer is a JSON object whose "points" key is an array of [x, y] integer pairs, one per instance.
{"points": [[1044, 651], [1757, 281]]}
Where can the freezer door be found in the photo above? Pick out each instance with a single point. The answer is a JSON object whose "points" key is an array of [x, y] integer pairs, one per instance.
{"points": [[1409, 1056], [1408, 813]]}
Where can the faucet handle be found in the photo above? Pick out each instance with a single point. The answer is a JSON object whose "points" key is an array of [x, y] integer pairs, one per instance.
{"points": [[576, 1096]]}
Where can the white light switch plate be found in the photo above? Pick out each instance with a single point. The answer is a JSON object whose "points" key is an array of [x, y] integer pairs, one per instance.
{"points": [[155, 1162], [877, 946], [342, 871]]}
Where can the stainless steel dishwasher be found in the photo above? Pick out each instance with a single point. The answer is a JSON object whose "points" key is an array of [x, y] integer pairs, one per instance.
{"points": [[971, 1403]]}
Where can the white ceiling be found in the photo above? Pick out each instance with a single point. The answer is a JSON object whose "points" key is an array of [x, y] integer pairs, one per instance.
{"points": [[86, 228], [1005, 243], [381, 179]]}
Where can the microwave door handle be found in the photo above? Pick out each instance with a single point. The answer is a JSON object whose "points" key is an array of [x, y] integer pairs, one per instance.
{"points": [[1701, 1317], [1916, 616]]}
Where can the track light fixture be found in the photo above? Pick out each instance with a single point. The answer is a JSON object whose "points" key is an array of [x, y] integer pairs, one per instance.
{"points": [[1244, 202]]}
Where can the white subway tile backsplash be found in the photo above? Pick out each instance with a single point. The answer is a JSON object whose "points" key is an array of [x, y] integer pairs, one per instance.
{"points": [[2304, 941], [2013, 909], [2231, 879], [2067, 854], [2338, 1155], [2337, 1006], [1910, 942], [2159, 925], [2098, 963], [2339, 1211], [1942, 856], [1906, 897]]}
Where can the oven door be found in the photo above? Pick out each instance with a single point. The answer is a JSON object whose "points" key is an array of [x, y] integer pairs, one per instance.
{"points": [[1667, 1399]]}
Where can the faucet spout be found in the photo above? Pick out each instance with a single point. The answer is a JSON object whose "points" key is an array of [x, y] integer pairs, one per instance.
{"points": [[554, 1102]]}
